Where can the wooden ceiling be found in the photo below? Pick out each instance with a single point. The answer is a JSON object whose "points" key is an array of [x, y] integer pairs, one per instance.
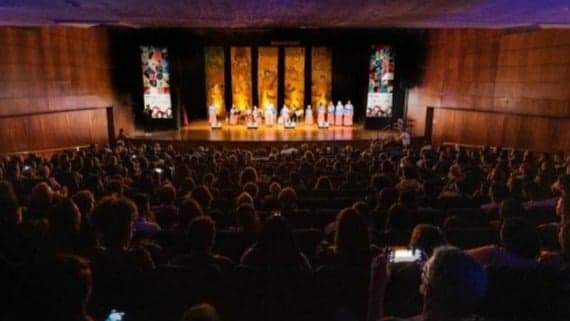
{"points": [[289, 13]]}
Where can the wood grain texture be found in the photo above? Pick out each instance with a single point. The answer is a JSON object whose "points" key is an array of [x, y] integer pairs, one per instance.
{"points": [[501, 88], [48, 73]]}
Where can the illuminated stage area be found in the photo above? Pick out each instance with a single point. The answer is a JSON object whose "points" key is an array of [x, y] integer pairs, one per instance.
{"points": [[201, 131]]}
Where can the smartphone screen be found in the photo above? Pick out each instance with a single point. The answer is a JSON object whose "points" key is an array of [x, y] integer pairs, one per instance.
{"points": [[115, 316], [406, 255]]}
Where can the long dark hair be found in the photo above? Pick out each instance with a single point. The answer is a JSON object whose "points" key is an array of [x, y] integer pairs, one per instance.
{"points": [[352, 242], [276, 242]]}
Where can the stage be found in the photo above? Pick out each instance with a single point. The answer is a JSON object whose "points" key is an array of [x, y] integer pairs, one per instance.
{"points": [[200, 131]]}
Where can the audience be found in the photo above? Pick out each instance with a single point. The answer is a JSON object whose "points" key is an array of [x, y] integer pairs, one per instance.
{"points": [[132, 210]]}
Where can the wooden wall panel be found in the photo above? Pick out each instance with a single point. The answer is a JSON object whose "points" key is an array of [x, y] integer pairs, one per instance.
{"points": [[496, 88], [50, 72]]}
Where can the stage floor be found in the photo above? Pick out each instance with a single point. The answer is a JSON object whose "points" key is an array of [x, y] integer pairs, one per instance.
{"points": [[201, 131]]}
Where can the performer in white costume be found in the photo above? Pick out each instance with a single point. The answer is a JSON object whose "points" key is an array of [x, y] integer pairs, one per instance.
{"points": [[348, 114], [321, 114], [233, 115], [309, 116], [330, 114], [256, 115], [269, 115], [212, 119], [339, 114], [285, 119]]}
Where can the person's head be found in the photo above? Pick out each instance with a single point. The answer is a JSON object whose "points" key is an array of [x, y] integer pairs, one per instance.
{"points": [[248, 174], [398, 218], [247, 219], [201, 312], [167, 194], [143, 204], [275, 189], [453, 284], [251, 189], [114, 187], [387, 197], [287, 198], [203, 196], [363, 208], [520, 238], [379, 182], [323, 184], [189, 209], [85, 201], [427, 237], [7, 193], [276, 240], [201, 234], [42, 196], [410, 172], [113, 217], [351, 240], [64, 219], [244, 199]]}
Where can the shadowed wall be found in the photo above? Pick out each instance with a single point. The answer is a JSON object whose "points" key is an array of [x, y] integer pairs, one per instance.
{"points": [[57, 84], [495, 87]]}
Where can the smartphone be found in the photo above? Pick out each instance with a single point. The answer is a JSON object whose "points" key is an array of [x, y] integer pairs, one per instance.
{"points": [[115, 316], [405, 254]]}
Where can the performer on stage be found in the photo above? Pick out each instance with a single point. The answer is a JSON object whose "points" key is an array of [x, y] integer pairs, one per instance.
{"points": [[348, 114], [256, 116], [309, 116], [321, 114], [330, 114], [285, 115], [269, 115], [339, 114], [233, 115], [212, 119]]}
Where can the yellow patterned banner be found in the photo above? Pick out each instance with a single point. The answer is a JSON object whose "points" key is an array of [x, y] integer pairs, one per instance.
{"points": [[267, 76], [321, 86], [215, 84], [241, 77], [294, 77]]}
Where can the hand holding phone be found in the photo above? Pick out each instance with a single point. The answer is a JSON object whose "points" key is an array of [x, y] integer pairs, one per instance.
{"points": [[405, 254], [115, 316]]}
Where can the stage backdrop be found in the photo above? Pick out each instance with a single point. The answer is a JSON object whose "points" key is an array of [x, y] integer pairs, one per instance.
{"points": [[267, 61], [156, 82], [215, 78], [321, 60], [294, 77], [380, 82], [241, 77]]}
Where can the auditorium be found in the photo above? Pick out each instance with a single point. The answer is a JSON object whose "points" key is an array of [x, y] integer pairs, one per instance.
{"points": [[285, 160]]}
